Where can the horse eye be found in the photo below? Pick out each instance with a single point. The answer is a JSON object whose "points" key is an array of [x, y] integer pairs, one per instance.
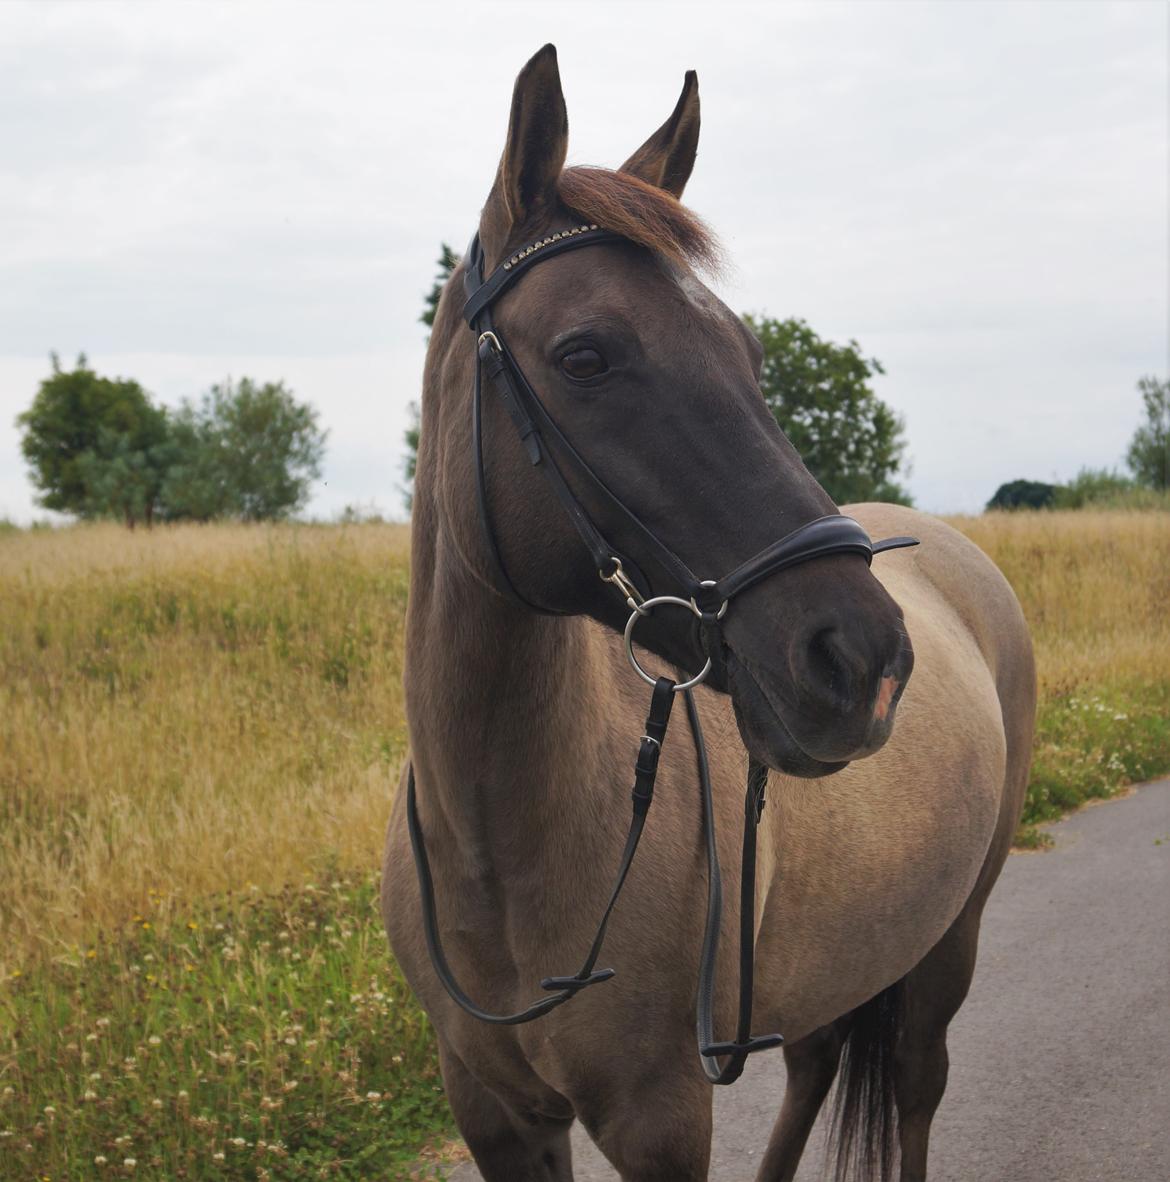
{"points": [[583, 363]]}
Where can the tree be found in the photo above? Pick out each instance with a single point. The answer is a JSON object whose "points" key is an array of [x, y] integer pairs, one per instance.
{"points": [[819, 393], [1149, 450], [447, 261], [1023, 494], [244, 450], [1093, 487], [97, 446]]}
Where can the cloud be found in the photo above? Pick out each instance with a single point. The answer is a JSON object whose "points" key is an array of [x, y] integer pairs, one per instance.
{"points": [[977, 193]]}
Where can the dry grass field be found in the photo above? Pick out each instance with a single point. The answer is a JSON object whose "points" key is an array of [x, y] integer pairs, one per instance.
{"points": [[197, 709], [200, 734], [191, 710]]}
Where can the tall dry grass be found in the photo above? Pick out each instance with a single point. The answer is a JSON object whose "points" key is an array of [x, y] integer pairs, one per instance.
{"points": [[190, 710], [1095, 588], [197, 709]]}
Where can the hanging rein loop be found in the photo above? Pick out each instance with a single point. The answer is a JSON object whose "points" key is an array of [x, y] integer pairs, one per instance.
{"points": [[547, 448]]}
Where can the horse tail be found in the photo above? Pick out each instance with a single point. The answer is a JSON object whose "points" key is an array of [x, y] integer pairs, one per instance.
{"points": [[864, 1121]]}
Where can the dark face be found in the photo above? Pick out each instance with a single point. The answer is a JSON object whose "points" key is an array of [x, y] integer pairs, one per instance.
{"points": [[655, 383]]}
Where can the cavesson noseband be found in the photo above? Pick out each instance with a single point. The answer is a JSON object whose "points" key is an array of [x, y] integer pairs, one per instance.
{"points": [[549, 449]]}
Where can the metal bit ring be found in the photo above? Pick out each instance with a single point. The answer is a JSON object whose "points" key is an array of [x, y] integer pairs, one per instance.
{"points": [[644, 609]]}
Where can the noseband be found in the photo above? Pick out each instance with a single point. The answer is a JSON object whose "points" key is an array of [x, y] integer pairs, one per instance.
{"points": [[549, 450]]}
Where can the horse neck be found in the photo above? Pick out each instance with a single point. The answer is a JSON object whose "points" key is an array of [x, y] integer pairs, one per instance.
{"points": [[499, 708]]}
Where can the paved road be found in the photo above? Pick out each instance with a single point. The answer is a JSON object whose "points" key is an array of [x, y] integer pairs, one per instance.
{"points": [[1060, 1060]]}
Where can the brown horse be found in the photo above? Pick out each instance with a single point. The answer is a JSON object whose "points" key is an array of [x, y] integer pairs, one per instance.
{"points": [[879, 845]]}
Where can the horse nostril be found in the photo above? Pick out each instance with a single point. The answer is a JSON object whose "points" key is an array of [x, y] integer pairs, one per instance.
{"points": [[827, 666]]}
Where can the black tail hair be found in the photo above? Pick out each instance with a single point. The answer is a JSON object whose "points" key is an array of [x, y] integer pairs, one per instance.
{"points": [[864, 1121]]}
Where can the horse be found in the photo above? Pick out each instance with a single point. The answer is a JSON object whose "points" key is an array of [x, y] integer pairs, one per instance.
{"points": [[892, 799]]}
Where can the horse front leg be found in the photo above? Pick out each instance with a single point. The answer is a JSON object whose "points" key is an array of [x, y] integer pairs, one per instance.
{"points": [[507, 1146], [655, 1124]]}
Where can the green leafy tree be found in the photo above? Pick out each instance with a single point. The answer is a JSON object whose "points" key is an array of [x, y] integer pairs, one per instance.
{"points": [[244, 450], [1093, 487], [447, 261], [96, 446], [1023, 494], [821, 396], [1149, 450]]}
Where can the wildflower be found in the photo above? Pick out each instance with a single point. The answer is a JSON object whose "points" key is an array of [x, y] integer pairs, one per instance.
{"points": [[146, 926], [99, 1160], [89, 1094], [188, 968], [95, 1075], [373, 1096], [395, 1058], [156, 1103], [183, 1097], [239, 1142], [50, 1110], [91, 954], [102, 1022], [154, 1040], [217, 1156], [129, 1162], [91, 1038]]}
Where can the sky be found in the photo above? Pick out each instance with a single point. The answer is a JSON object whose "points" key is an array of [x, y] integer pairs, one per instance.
{"points": [[975, 192]]}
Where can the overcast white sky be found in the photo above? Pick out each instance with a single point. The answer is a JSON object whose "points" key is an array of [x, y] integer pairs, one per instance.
{"points": [[977, 192]]}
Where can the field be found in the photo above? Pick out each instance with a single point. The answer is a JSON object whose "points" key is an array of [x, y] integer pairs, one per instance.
{"points": [[200, 734]]}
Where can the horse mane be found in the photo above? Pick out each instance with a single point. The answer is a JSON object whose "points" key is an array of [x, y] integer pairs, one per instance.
{"points": [[641, 212]]}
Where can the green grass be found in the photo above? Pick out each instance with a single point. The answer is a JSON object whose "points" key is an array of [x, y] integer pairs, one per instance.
{"points": [[264, 1036], [1090, 745]]}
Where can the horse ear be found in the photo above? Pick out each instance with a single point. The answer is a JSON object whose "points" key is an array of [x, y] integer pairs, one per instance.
{"points": [[538, 139], [667, 157]]}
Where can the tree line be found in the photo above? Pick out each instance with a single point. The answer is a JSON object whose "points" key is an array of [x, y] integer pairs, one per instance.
{"points": [[1147, 458], [101, 447], [820, 393]]}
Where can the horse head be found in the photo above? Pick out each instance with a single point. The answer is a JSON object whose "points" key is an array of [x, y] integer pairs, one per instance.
{"points": [[650, 379]]}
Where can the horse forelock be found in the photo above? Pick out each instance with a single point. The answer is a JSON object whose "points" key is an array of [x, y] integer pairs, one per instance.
{"points": [[641, 212]]}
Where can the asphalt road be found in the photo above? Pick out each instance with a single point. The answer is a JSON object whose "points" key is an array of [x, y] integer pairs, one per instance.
{"points": [[1060, 1059]]}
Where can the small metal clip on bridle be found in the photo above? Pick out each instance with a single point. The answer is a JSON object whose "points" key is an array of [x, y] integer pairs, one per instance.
{"points": [[621, 581]]}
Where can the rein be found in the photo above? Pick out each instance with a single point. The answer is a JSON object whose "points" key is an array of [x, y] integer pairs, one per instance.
{"points": [[707, 599]]}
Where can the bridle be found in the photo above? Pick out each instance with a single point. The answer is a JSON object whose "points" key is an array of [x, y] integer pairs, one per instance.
{"points": [[551, 452]]}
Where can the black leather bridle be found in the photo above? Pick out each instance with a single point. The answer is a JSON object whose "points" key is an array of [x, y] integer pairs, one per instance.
{"points": [[708, 599]]}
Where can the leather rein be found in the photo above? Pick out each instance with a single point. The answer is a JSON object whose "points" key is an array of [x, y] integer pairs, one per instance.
{"points": [[549, 450]]}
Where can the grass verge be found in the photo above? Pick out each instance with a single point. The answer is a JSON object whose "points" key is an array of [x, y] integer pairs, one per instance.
{"points": [[261, 1036]]}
